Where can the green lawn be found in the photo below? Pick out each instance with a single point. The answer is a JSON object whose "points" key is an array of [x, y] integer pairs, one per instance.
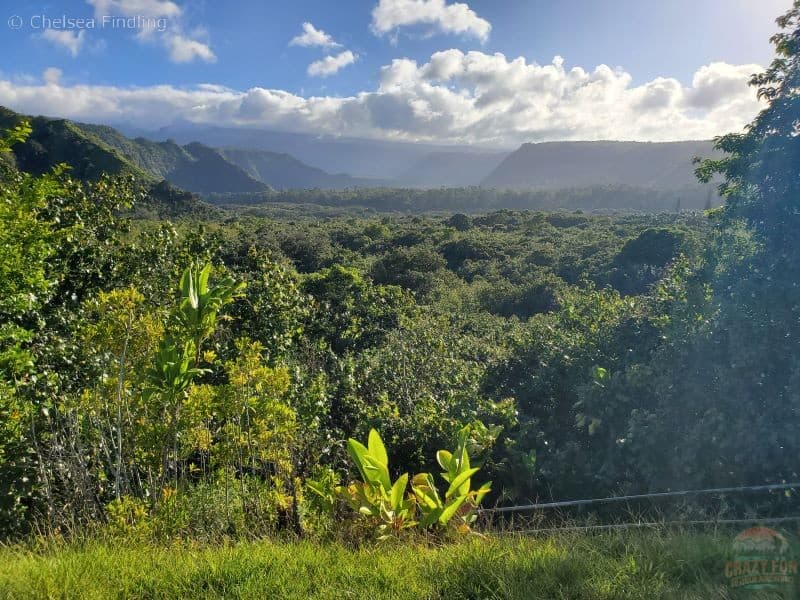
{"points": [[613, 565]]}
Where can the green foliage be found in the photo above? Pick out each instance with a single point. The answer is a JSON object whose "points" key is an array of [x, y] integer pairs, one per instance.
{"points": [[459, 499], [387, 502], [352, 313], [416, 269], [48, 143], [15, 135], [201, 304], [590, 354], [376, 496], [273, 310], [731, 361], [759, 165], [472, 200], [28, 241]]}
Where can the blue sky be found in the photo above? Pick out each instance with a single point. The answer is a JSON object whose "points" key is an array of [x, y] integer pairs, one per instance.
{"points": [[239, 46]]}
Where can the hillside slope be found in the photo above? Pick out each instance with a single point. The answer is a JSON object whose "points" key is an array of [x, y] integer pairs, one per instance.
{"points": [[661, 166], [194, 167], [453, 169], [57, 141], [283, 171]]}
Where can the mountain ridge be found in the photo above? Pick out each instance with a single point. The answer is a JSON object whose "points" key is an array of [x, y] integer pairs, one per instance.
{"points": [[358, 157], [196, 167], [551, 165]]}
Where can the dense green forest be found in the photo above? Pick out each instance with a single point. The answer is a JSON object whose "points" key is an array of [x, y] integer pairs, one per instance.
{"points": [[215, 375], [602, 199]]}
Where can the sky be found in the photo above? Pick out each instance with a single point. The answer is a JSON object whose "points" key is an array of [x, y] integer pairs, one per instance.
{"points": [[486, 72]]}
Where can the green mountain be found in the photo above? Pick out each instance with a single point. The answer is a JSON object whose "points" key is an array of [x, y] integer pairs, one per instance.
{"points": [[205, 170], [553, 165], [59, 141], [193, 167], [91, 150], [56, 141], [372, 159], [283, 171]]}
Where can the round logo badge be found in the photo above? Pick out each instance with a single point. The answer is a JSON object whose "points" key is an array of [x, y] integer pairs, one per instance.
{"points": [[762, 560]]}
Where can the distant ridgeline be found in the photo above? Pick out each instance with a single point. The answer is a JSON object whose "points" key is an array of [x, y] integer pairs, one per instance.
{"points": [[552, 165], [600, 198], [650, 177]]}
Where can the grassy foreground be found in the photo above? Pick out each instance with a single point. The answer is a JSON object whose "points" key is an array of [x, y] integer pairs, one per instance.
{"points": [[614, 565]]}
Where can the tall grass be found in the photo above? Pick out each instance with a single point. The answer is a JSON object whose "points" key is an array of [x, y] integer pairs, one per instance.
{"points": [[634, 565]]}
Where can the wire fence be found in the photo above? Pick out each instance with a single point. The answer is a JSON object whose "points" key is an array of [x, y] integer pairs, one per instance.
{"points": [[653, 525], [549, 506]]}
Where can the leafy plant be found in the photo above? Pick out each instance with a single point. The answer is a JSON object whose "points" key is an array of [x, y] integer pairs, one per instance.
{"points": [[201, 303], [459, 499], [379, 498], [176, 364]]}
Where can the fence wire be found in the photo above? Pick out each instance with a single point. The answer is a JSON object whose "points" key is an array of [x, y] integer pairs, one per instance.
{"points": [[678, 494], [643, 524], [651, 525]]}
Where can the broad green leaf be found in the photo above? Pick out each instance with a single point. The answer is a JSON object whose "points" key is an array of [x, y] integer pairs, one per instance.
{"points": [[425, 490], [451, 509], [202, 280], [482, 491], [399, 490], [430, 518], [443, 457], [357, 452], [463, 464], [425, 499], [460, 480], [194, 301], [376, 447], [377, 473], [421, 479]]}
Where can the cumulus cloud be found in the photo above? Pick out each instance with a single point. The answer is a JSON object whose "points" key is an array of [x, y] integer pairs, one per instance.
{"points": [[312, 36], [181, 47], [70, 40], [717, 81], [184, 50], [331, 64], [469, 97], [457, 18]]}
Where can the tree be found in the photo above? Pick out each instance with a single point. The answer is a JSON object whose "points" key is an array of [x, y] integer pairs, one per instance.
{"points": [[417, 269], [727, 396], [761, 179]]}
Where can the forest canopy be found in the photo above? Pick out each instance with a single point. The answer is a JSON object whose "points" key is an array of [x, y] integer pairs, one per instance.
{"points": [[220, 375]]}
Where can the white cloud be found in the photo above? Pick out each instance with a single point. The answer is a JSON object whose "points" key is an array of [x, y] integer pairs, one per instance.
{"points": [[181, 47], [456, 18], [331, 64], [52, 76], [184, 50], [717, 81], [72, 41], [312, 36], [461, 97], [135, 8]]}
